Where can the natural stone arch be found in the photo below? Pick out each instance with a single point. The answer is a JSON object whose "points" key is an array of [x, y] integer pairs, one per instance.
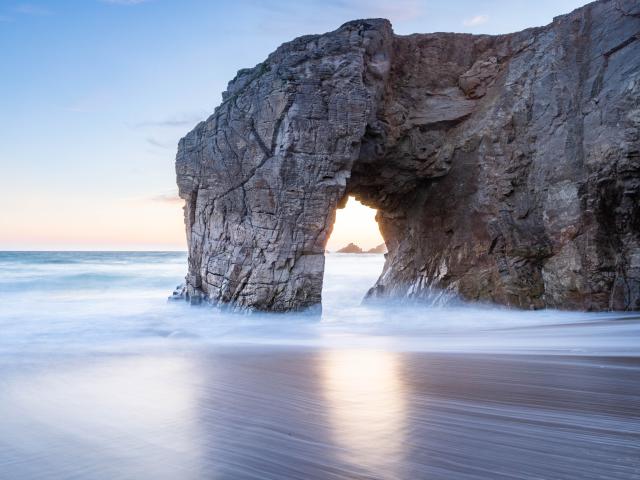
{"points": [[503, 168]]}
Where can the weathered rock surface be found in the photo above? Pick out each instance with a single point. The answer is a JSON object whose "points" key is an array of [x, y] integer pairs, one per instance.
{"points": [[351, 248], [504, 168]]}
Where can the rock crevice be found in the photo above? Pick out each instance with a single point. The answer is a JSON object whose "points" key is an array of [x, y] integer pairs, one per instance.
{"points": [[504, 168]]}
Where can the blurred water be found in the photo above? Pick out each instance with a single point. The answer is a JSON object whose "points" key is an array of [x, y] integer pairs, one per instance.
{"points": [[102, 378], [65, 301]]}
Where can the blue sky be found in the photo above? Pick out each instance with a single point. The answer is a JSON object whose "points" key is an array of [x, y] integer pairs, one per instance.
{"points": [[96, 93]]}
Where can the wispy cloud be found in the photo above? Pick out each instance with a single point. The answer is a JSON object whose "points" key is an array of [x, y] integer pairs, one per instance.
{"points": [[169, 197], [31, 9], [125, 2], [187, 120], [172, 198], [157, 143], [475, 21]]}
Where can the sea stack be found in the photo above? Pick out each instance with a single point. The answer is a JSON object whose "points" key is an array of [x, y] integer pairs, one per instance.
{"points": [[351, 248], [382, 248], [504, 168]]}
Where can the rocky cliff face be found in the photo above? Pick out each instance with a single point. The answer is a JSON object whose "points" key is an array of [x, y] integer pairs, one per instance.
{"points": [[504, 168]]}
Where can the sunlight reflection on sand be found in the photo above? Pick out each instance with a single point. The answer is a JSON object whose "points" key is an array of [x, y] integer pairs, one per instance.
{"points": [[366, 405]]}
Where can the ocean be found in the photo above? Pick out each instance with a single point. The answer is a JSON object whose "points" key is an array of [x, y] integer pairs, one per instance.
{"points": [[102, 377]]}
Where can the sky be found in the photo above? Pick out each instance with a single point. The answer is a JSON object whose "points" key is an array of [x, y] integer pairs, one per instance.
{"points": [[95, 94]]}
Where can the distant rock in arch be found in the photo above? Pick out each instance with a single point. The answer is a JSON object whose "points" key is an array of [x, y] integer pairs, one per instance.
{"points": [[351, 248], [382, 248]]}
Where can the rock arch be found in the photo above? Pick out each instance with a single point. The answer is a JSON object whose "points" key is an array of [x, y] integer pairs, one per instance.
{"points": [[504, 168]]}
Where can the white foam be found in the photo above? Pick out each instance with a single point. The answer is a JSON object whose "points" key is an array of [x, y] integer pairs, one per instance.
{"points": [[66, 301]]}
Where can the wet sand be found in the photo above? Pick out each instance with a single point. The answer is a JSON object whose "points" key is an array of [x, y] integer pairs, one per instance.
{"points": [[271, 413]]}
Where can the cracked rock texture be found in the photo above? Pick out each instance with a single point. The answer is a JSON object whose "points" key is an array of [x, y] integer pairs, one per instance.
{"points": [[504, 168]]}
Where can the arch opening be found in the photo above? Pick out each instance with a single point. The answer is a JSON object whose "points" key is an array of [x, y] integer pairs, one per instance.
{"points": [[353, 255], [356, 224]]}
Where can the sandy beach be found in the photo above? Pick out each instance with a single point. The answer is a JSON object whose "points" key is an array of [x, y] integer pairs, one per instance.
{"points": [[269, 413]]}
